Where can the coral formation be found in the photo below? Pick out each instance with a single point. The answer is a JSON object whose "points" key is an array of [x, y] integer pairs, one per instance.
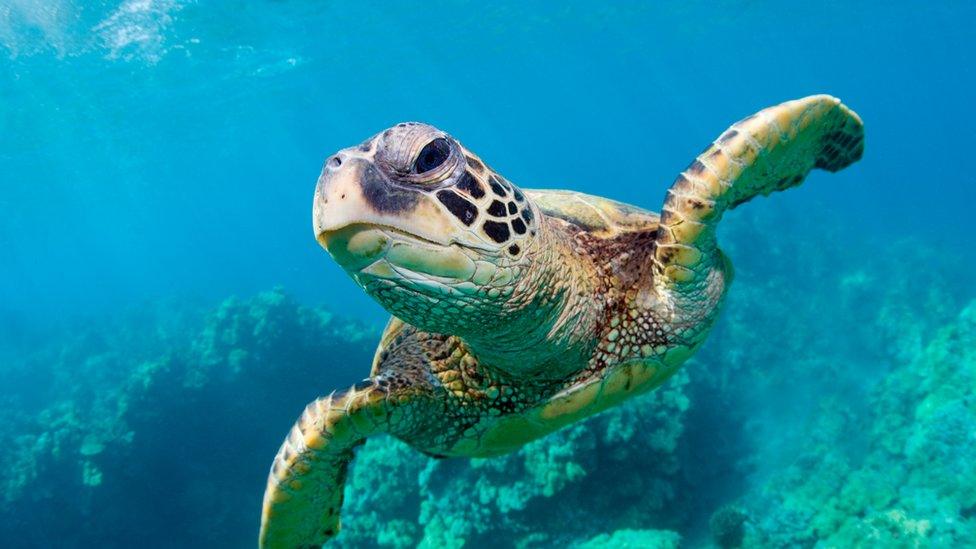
{"points": [[728, 526], [913, 483], [158, 419], [547, 492], [840, 413], [634, 539]]}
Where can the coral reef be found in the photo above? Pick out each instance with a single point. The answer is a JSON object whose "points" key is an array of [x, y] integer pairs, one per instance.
{"points": [[728, 526], [634, 539], [151, 424], [912, 484], [840, 413], [616, 470]]}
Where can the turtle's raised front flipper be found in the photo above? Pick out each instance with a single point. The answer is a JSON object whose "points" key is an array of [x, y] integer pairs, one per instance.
{"points": [[304, 493], [771, 150]]}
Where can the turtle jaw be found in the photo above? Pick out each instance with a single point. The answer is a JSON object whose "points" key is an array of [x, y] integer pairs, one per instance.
{"points": [[354, 247], [444, 289], [366, 250]]}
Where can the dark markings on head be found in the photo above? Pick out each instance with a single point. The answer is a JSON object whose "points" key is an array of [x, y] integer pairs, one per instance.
{"points": [[497, 209], [496, 187], [518, 194], [728, 136], [696, 168], [512, 208], [384, 197], [365, 146], [471, 185], [518, 226], [514, 249], [461, 208], [527, 215], [496, 231], [475, 163], [505, 183]]}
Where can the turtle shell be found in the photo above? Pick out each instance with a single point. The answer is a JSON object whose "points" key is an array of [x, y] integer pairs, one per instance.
{"points": [[599, 216]]}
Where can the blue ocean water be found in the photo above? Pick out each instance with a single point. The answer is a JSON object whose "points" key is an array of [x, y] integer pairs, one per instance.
{"points": [[158, 157]]}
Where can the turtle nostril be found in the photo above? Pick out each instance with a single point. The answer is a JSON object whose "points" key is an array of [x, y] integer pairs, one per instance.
{"points": [[334, 162]]}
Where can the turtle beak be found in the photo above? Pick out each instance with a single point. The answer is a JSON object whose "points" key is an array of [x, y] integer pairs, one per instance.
{"points": [[354, 194], [338, 200], [340, 213]]}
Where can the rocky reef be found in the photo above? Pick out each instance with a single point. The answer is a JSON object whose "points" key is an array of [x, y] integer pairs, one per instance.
{"points": [[616, 470], [150, 426], [902, 474], [833, 406]]}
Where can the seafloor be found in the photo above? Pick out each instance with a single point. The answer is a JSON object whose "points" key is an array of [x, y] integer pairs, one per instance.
{"points": [[833, 406]]}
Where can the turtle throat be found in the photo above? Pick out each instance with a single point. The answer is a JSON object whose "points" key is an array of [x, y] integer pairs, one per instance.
{"points": [[545, 326]]}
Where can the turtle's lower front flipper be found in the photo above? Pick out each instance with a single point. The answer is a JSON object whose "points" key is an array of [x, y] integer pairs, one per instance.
{"points": [[304, 493]]}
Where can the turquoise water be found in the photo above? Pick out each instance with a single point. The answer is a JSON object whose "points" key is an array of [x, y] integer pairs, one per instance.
{"points": [[158, 157]]}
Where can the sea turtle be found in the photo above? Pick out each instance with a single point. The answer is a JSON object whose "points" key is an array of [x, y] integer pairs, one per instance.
{"points": [[517, 312]]}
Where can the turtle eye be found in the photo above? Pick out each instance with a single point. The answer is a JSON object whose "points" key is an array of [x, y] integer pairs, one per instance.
{"points": [[432, 156]]}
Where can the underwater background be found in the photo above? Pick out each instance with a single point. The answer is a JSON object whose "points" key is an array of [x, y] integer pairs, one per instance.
{"points": [[165, 312]]}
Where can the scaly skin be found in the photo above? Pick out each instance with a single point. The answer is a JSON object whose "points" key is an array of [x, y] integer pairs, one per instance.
{"points": [[513, 320], [535, 316]]}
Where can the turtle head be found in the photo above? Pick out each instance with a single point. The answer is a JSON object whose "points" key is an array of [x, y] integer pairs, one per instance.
{"points": [[430, 232]]}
